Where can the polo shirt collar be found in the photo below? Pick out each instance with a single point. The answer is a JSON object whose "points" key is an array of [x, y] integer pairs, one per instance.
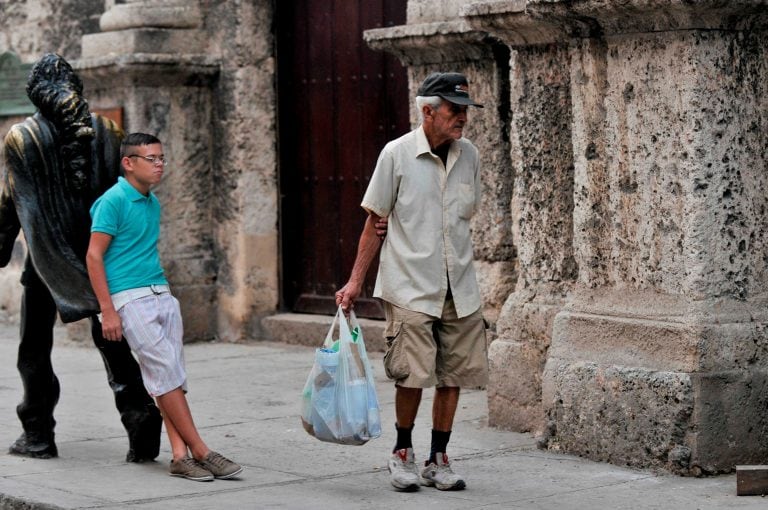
{"points": [[132, 193]]}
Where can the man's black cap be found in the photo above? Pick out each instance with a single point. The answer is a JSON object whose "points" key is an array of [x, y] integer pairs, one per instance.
{"points": [[452, 87]]}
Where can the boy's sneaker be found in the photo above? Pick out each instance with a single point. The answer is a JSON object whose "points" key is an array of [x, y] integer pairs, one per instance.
{"points": [[439, 474], [220, 466], [403, 471], [189, 468]]}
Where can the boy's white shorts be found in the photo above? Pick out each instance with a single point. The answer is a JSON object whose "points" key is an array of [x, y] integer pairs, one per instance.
{"points": [[152, 326]]}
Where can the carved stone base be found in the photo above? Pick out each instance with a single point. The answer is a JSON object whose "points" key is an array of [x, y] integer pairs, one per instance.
{"points": [[685, 392], [144, 40]]}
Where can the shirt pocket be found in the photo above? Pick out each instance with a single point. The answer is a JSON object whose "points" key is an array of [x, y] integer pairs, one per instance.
{"points": [[466, 201]]}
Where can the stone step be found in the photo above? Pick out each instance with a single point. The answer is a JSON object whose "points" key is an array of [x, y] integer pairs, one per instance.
{"points": [[308, 329]]}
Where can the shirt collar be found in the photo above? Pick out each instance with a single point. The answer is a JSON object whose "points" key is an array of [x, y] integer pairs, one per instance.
{"points": [[131, 192], [422, 147], [422, 144]]}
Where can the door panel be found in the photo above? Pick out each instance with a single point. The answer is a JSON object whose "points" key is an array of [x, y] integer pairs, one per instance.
{"points": [[339, 103]]}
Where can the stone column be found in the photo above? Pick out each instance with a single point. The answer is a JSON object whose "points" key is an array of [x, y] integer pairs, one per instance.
{"points": [[246, 182], [659, 355], [149, 60], [541, 214]]}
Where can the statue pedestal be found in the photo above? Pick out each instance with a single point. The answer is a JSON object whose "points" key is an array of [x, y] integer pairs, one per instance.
{"points": [[144, 40], [148, 26]]}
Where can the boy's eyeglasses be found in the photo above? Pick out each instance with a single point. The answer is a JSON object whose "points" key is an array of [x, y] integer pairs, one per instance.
{"points": [[155, 160]]}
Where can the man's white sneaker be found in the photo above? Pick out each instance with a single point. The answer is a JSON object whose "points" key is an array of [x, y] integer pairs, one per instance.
{"points": [[403, 471], [439, 474]]}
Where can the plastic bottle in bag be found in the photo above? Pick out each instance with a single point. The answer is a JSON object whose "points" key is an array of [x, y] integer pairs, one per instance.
{"points": [[324, 415], [374, 417]]}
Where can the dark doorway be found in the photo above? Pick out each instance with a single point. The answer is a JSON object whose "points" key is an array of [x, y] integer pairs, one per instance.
{"points": [[339, 103]]}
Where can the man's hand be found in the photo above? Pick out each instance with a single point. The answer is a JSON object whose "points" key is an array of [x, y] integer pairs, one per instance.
{"points": [[111, 326], [346, 296], [381, 227]]}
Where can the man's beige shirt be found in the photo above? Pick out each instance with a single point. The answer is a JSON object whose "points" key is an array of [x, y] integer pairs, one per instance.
{"points": [[428, 241]]}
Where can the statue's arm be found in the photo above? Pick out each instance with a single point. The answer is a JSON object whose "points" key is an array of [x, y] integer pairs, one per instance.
{"points": [[9, 219]]}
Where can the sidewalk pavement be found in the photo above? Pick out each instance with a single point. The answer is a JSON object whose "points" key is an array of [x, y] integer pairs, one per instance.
{"points": [[245, 400]]}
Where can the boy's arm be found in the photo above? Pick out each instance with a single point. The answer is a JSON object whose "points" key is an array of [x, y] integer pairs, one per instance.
{"points": [[367, 248], [111, 326]]}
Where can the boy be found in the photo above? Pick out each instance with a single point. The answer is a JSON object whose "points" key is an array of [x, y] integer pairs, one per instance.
{"points": [[135, 301]]}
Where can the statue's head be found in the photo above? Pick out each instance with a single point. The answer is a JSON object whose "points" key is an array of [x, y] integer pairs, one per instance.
{"points": [[57, 91]]}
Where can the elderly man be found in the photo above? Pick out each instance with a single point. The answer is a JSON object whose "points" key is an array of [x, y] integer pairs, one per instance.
{"points": [[428, 184], [56, 163]]}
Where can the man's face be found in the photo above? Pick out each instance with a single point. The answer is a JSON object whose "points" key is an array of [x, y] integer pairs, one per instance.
{"points": [[447, 122]]}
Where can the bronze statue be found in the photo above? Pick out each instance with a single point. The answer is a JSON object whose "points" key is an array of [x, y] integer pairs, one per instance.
{"points": [[56, 163]]}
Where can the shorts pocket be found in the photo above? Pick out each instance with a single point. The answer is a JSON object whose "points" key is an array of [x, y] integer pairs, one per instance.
{"points": [[395, 362]]}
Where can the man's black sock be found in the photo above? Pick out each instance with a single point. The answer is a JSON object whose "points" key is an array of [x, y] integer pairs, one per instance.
{"points": [[439, 444], [403, 438]]}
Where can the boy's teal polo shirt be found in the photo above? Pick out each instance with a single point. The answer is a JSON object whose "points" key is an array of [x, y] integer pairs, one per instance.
{"points": [[133, 220]]}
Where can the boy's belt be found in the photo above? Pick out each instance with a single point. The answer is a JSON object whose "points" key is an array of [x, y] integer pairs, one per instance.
{"points": [[119, 299]]}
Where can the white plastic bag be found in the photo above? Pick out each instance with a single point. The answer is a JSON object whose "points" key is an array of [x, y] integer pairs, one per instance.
{"points": [[339, 403]]}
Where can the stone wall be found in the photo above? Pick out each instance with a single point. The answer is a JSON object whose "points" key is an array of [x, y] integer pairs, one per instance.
{"points": [[30, 28], [664, 339]]}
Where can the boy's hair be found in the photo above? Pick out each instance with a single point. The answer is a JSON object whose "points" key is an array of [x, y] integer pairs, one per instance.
{"points": [[134, 140]]}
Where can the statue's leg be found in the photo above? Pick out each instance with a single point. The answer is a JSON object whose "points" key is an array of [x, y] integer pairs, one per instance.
{"points": [[41, 387], [140, 416]]}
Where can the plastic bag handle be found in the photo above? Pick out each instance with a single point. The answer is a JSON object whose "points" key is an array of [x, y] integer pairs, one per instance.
{"points": [[328, 343]]}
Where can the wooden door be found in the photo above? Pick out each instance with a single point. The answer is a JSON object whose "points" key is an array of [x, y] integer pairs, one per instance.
{"points": [[339, 103]]}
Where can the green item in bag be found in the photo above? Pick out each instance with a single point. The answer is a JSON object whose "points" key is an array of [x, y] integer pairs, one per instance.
{"points": [[355, 334]]}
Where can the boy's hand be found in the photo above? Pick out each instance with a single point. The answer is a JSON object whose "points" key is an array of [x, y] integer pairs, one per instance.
{"points": [[381, 227], [111, 326]]}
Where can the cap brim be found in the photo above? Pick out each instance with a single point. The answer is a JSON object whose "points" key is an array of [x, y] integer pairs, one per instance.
{"points": [[465, 101]]}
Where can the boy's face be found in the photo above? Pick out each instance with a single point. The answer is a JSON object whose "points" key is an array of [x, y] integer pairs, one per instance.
{"points": [[144, 164]]}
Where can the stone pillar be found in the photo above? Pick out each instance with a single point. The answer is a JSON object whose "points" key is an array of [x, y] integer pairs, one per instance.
{"points": [[658, 357], [246, 182], [540, 113], [150, 62]]}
